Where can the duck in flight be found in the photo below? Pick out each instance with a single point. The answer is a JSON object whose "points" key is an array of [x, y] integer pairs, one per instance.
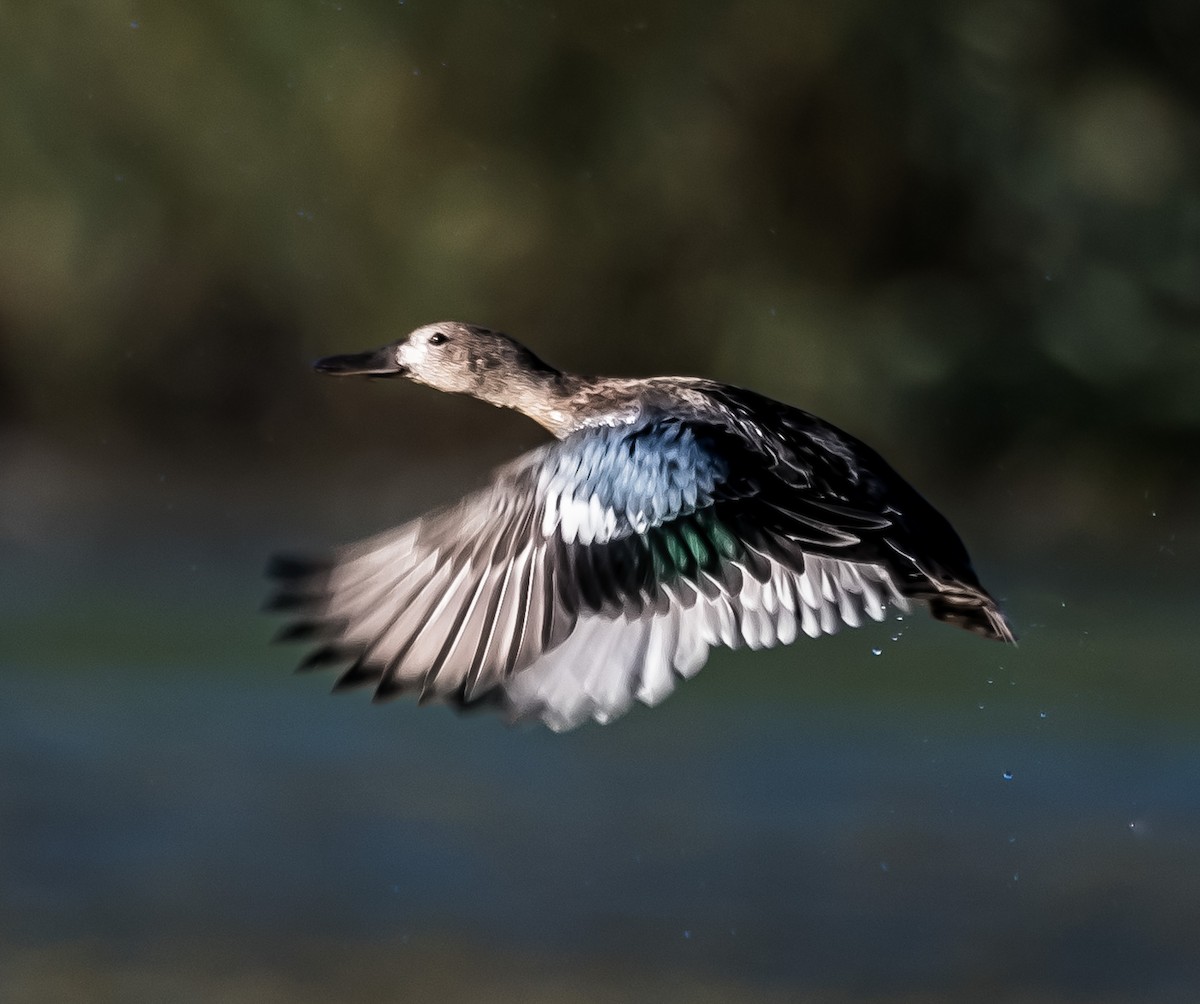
{"points": [[671, 515]]}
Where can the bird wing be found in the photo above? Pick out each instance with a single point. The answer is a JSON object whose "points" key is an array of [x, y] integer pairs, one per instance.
{"points": [[590, 572]]}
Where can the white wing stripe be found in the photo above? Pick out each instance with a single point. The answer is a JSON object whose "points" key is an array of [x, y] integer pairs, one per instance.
{"points": [[607, 663]]}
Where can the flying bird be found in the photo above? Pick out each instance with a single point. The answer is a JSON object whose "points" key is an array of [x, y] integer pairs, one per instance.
{"points": [[671, 515]]}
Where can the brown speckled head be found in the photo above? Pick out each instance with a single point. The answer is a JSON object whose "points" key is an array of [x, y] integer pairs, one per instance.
{"points": [[467, 359]]}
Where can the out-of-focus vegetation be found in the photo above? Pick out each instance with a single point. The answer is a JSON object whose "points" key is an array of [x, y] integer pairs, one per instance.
{"points": [[975, 226], [966, 230]]}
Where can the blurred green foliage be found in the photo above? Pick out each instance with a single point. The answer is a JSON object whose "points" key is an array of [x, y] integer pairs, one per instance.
{"points": [[966, 230], [975, 225]]}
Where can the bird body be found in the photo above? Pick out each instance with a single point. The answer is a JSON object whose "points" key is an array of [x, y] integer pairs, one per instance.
{"points": [[673, 514]]}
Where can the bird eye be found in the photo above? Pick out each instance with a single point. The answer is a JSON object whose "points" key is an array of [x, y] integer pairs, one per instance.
{"points": [[437, 338]]}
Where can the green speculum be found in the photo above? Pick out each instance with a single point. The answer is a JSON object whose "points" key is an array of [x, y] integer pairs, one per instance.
{"points": [[689, 545]]}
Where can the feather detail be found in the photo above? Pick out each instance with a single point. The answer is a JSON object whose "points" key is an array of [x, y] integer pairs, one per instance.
{"points": [[598, 570]]}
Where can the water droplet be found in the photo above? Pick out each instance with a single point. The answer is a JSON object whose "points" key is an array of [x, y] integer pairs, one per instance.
{"points": [[1041, 714], [1016, 876], [981, 707], [687, 934], [896, 636], [883, 866], [1008, 775], [877, 651]]}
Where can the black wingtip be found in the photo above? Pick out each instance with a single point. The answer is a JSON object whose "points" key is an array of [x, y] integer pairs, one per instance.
{"points": [[300, 582], [326, 655], [359, 674], [302, 631], [285, 601], [483, 700], [289, 567], [390, 688]]}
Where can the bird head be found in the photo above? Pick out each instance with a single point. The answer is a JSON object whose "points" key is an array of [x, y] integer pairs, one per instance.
{"points": [[450, 356]]}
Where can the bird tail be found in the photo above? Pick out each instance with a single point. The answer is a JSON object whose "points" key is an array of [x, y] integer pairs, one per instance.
{"points": [[971, 608]]}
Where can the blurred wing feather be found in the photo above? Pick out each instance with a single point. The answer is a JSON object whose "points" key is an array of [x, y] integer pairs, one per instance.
{"points": [[600, 569]]}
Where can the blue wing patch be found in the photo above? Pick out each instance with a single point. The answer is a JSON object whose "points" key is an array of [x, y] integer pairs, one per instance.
{"points": [[608, 482]]}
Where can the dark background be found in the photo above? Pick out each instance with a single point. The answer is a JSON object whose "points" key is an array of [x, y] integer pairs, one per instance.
{"points": [[968, 232], [971, 231]]}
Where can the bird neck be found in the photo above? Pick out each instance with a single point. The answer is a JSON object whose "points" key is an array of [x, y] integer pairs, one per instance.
{"points": [[545, 394]]}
